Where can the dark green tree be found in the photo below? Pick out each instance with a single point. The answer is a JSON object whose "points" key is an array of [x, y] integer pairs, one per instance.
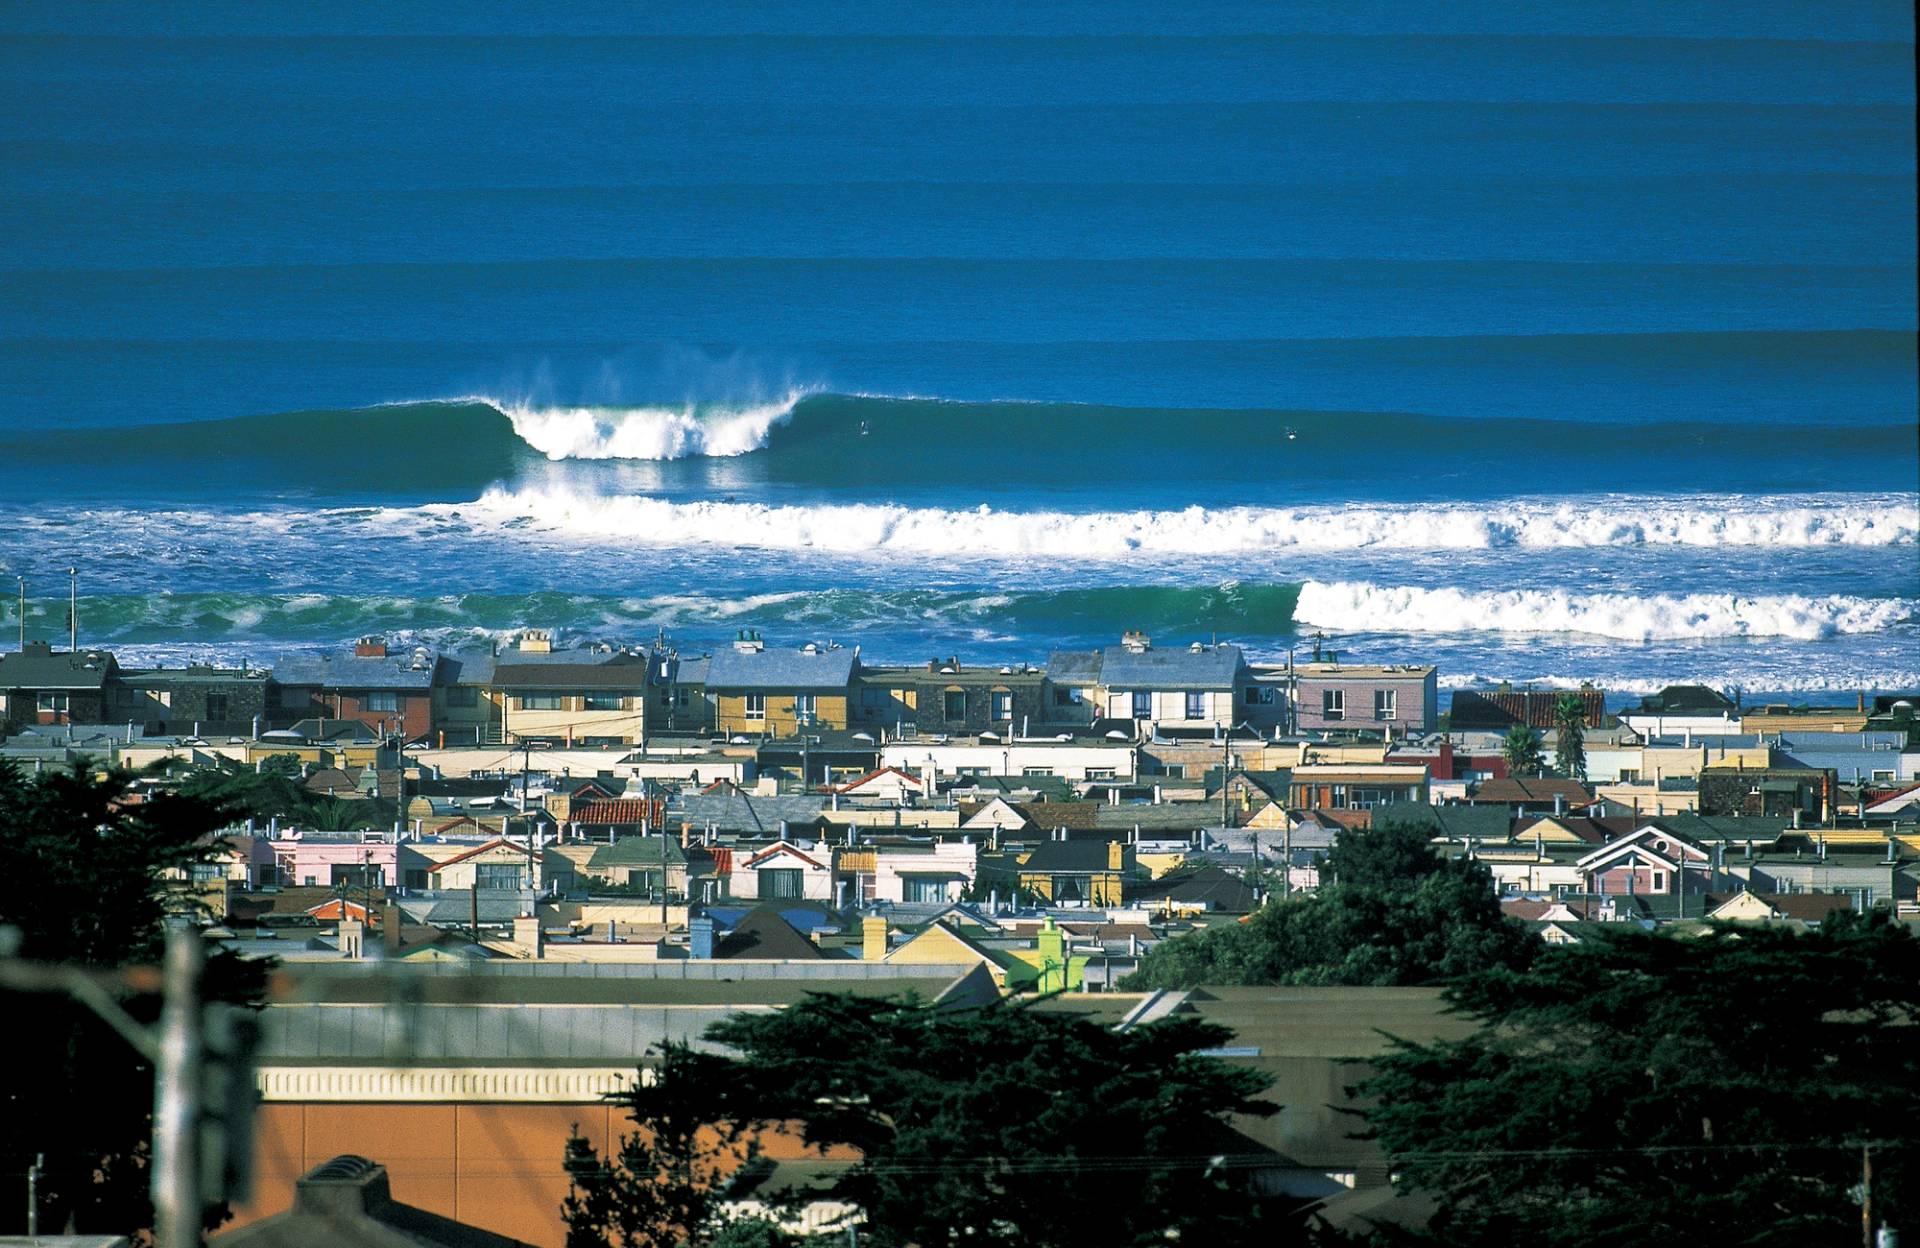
{"points": [[1642, 1088], [1521, 750], [998, 1126], [660, 1188], [88, 878], [1570, 743], [1390, 910]]}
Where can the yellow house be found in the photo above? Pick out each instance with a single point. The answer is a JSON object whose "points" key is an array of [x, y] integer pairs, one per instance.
{"points": [[780, 693], [1045, 968], [1084, 872]]}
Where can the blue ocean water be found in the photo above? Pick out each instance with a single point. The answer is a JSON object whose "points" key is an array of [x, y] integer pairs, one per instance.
{"points": [[1549, 341]]}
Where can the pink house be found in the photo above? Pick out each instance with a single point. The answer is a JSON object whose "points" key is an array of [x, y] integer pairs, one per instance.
{"points": [[323, 859]]}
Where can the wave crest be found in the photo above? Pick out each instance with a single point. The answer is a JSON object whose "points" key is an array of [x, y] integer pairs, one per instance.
{"points": [[652, 433], [1358, 606]]}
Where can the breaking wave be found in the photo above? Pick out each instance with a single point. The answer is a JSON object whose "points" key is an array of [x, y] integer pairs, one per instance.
{"points": [[648, 433], [1796, 521], [1358, 606]]}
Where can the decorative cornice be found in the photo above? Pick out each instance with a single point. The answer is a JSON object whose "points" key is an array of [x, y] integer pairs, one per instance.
{"points": [[446, 1084]]}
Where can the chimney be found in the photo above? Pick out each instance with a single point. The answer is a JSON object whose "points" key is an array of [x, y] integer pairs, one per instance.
{"points": [[527, 936], [352, 934], [370, 648], [1559, 804], [390, 928], [873, 939], [1116, 855], [700, 937], [536, 641]]}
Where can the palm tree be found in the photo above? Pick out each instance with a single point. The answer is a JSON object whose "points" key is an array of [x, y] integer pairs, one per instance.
{"points": [[1570, 747], [1521, 749]]}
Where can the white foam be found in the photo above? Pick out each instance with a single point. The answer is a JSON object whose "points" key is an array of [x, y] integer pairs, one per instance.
{"points": [[1800, 521], [1357, 606], [657, 432]]}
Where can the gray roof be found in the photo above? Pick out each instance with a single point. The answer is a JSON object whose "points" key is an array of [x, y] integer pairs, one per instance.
{"points": [[174, 677], [353, 671], [1074, 667], [576, 670], [469, 669], [780, 669], [1210, 667], [691, 671], [730, 810], [636, 851], [38, 667]]}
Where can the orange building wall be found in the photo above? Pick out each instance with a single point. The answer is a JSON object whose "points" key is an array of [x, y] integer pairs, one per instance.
{"points": [[494, 1166]]}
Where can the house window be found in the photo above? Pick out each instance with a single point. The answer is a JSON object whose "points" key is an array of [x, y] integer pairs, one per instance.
{"points": [[415, 878], [953, 704], [1002, 705], [1069, 888], [1100, 773], [1259, 695], [1629, 775], [1883, 777], [1333, 704], [1659, 881], [1196, 704], [499, 875], [463, 696], [383, 701], [603, 702], [679, 697], [756, 706], [52, 702], [1037, 773], [803, 707], [780, 883], [873, 699], [1067, 697], [217, 706], [1386, 704], [923, 887], [1142, 705], [541, 702]]}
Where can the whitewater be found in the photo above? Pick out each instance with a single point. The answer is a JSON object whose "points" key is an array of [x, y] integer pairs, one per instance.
{"points": [[1607, 522]]}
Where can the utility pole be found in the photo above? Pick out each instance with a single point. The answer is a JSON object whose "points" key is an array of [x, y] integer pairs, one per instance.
{"points": [[1866, 1195], [1226, 766], [23, 611], [73, 610], [176, 1116]]}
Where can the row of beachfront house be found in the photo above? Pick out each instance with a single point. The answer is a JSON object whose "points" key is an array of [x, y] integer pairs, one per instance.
{"points": [[605, 695]]}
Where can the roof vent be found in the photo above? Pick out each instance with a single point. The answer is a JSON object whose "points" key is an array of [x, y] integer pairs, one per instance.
{"points": [[1133, 641], [346, 1185]]}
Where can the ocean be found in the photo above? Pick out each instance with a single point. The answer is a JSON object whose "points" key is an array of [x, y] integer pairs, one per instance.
{"points": [[1548, 342]]}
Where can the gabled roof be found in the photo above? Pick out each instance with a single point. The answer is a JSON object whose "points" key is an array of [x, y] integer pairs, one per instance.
{"points": [[1213, 886], [1208, 667], [788, 849], [476, 851], [732, 809], [1653, 840], [1801, 907], [854, 786], [764, 934], [780, 669]]}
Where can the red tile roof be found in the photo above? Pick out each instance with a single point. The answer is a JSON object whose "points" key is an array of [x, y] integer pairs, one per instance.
{"points": [[625, 810]]}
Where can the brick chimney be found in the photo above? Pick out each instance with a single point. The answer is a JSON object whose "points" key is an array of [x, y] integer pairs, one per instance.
{"points": [[370, 648], [1116, 855]]}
